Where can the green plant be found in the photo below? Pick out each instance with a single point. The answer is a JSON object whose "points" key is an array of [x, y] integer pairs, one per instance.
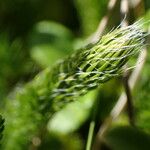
{"points": [[87, 68]]}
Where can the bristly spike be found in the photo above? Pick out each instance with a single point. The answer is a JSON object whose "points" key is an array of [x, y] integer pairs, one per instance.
{"points": [[72, 77], [99, 63]]}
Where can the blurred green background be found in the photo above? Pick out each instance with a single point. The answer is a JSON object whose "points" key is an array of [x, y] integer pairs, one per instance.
{"points": [[34, 34]]}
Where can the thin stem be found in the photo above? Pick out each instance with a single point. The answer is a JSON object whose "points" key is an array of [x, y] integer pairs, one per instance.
{"points": [[92, 124], [124, 10], [90, 135], [130, 107]]}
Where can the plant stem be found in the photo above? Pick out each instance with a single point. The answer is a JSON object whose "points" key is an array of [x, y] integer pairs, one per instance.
{"points": [[90, 135]]}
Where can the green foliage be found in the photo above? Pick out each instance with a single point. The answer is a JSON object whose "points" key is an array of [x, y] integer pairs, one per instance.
{"points": [[70, 78], [12, 52], [37, 111], [73, 115], [49, 40]]}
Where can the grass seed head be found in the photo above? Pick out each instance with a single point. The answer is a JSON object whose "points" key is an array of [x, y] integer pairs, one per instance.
{"points": [[96, 64]]}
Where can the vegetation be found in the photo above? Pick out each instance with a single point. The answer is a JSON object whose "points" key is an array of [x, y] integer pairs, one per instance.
{"points": [[56, 97]]}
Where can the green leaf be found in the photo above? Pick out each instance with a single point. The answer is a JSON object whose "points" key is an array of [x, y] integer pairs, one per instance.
{"points": [[50, 41], [71, 117]]}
